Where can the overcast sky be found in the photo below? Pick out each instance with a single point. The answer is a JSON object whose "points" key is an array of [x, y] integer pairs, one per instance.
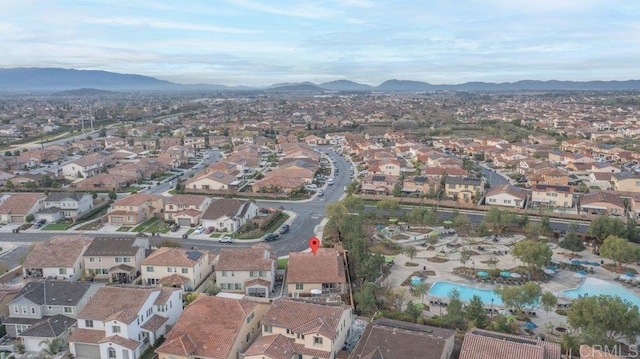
{"points": [[260, 42]]}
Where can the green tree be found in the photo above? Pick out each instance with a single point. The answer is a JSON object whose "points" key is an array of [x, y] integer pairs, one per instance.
{"points": [[365, 299], [619, 250], [29, 217], [113, 195], [498, 220], [388, 205], [354, 204], [9, 184], [455, 311], [103, 132], [632, 230], [421, 290], [397, 189], [476, 313], [8, 154], [170, 243], [572, 241], [534, 254], [549, 301], [51, 347], [504, 324], [604, 226], [412, 312], [570, 343], [189, 298], [411, 252], [604, 319], [520, 298]]}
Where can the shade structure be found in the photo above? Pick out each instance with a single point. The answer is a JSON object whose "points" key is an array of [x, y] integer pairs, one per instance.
{"points": [[576, 262], [625, 277], [530, 325], [595, 264], [505, 274], [580, 274], [630, 274], [549, 271], [567, 260], [316, 291], [482, 274], [552, 268], [515, 275], [447, 222]]}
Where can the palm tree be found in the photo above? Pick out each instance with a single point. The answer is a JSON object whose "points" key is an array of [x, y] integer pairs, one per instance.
{"points": [[51, 347]]}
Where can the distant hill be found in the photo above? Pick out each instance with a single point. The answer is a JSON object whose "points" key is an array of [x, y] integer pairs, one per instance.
{"points": [[301, 87], [405, 85], [84, 92], [345, 85], [524, 85]]}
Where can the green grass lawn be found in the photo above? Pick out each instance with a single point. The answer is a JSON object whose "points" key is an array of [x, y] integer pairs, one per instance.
{"points": [[282, 263], [215, 235], [57, 226], [190, 231], [143, 226], [158, 227], [123, 229], [90, 226]]}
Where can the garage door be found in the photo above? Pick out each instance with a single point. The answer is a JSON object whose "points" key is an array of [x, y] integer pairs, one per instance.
{"points": [[256, 292], [17, 219], [116, 219], [184, 222], [87, 351]]}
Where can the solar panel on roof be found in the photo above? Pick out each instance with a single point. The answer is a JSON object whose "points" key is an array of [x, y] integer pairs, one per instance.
{"points": [[194, 255]]}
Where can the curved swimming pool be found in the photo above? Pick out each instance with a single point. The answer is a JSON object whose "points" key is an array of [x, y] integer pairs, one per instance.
{"points": [[443, 289], [595, 287]]}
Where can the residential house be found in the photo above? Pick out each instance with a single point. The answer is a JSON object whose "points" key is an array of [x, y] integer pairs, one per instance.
{"points": [[600, 179], [482, 344], [283, 180], [384, 338], [604, 167], [213, 181], [551, 196], [177, 267], [121, 322], [228, 214], [197, 335], [135, 208], [24, 179], [46, 310], [626, 182], [302, 330], [465, 189], [86, 166], [185, 209], [379, 184], [251, 271], [602, 203], [507, 195], [116, 143], [549, 176], [419, 185], [7, 293], [17, 207], [116, 259], [65, 205], [59, 258], [320, 273], [437, 173], [167, 142]]}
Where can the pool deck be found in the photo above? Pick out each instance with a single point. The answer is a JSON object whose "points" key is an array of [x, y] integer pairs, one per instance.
{"points": [[561, 281]]}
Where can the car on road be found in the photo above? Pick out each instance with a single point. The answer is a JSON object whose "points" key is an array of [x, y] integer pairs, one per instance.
{"points": [[199, 230], [270, 237], [320, 192], [226, 239], [330, 181], [284, 229]]}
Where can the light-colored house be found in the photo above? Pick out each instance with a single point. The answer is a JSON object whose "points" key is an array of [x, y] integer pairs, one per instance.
{"points": [[214, 328], [465, 189], [177, 267], [483, 344], [212, 181], [602, 203], [122, 322], [379, 184], [228, 214], [58, 258], [546, 196], [507, 195], [85, 167], [626, 182], [117, 259], [18, 206], [251, 271], [63, 205], [185, 209], [302, 330], [322, 273], [135, 208]]}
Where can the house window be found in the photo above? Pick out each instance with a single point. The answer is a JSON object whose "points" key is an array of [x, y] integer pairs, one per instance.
{"points": [[299, 286], [250, 317], [118, 260], [268, 329], [88, 323], [185, 270], [149, 269], [225, 273], [68, 310], [238, 286], [24, 309], [16, 309], [317, 341], [112, 353], [170, 270], [253, 274], [63, 270], [248, 337], [91, 259], [262, 273], [300, 336], [115, 329], [33, 310]]}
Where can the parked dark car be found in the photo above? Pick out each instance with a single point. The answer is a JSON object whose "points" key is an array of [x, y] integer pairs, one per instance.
{"points": [[175, 227], [270, 237], [284, 229]]}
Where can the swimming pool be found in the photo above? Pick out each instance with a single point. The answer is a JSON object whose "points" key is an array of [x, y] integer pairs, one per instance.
{"points": [[594, 286], [443, 289]]}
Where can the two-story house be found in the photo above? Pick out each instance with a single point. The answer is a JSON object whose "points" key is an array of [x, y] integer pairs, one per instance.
{"points": [[177, 267], [15, 208], [185, 209], [58, 258], [121, 322], [135, 208], [214, 328], [419, 185], [465, 189], [63, 205], [379, 184], [602, 203], [316, 330], [117, 259], [626, 182], [250, 271], [550, 196], [85, 167], [46, 310], [228, 214], [507, 195], [322, 273]]}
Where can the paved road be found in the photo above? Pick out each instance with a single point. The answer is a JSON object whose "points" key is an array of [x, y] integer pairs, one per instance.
{"points": [[494, 178], [215, 156]]}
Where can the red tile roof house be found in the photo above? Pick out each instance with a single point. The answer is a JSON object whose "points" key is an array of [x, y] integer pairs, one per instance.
{"points": [[15, 208], [123, 321], [185, 209], [507, 195], [59, 258], [134, 209], [214, 328], [388, 338], [228, 214], [302, 329], [322, 273], [177, 267], [484, 344], [250, 271]]}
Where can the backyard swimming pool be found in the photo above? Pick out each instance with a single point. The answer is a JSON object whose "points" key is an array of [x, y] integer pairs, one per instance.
{"points": [[443, 289], [594, 287]]}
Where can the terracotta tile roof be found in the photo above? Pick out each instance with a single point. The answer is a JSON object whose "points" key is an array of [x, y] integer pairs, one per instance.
{"points": [[186, 199], [193, 213], [301, 349], [58, 252], [174, 257], [482, 344], [229, 207], [397, 339], [153, 323], [165, 293], [116, 303], [197, 334], [91, 336], [305, 317], [137, 199], [257, 281], [256, 257], [110, 246], [326, 266], [601, 196], [512, 190], [272, 346], [20, 203], [174, 279], [121, 341]]}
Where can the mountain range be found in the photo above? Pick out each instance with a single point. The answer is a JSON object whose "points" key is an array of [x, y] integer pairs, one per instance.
{"points": [[57, 79]]}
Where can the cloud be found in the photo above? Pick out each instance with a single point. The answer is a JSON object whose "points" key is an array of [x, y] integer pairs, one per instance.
{"points": [[162, 24], [309, 10]]}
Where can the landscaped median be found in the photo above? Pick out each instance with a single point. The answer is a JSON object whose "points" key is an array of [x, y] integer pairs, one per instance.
{"points": [[270, 225], [57, 226]]}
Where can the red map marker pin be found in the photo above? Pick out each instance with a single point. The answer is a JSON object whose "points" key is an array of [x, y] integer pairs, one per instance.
{"points": [[314, 243]]}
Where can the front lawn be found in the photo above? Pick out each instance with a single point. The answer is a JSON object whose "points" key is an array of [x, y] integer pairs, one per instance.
{"points": [[143, 226], [57, 226], [91, 226], [282, 263], [123, 229], [215, 235], [158, 227]]}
